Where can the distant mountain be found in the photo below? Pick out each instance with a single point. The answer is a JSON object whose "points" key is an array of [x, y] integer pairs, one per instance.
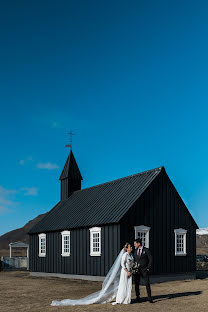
{"points": [[17, 235], [202, 231], [202, 241], [21, 235]]}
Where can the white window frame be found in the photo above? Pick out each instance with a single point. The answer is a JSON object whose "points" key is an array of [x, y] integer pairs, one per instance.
{"points": [[143, 229], [42, 236], [95, 230], [65, 234], [180, 232]]}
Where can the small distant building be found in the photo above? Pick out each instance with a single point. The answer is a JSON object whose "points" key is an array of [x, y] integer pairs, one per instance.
{"points": [[82, 235], [18, 245], [16, 262]]}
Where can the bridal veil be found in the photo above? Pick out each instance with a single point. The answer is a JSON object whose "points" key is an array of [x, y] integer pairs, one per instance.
{"points": [[106, 294]]}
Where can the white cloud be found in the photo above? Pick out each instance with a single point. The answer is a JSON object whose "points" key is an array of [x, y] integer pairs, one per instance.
{"points": [[8, 197], [4, 209], [5, 200], [30, 191], [22, 162], [47, 166], [40, 165], [4, 192]]}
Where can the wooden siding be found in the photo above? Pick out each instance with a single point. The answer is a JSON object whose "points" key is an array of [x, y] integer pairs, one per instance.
{"points": [[64, 189], [161, 208], [68, 186], [79, 262]]}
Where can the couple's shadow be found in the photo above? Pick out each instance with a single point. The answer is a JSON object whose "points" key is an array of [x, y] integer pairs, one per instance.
{"points": [[170, 296]]}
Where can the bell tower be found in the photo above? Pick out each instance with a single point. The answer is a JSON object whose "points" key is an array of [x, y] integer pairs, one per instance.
{"points": [[70, 177]]}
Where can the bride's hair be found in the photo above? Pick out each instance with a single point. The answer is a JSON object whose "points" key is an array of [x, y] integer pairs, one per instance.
{"points": [[126, 246]]}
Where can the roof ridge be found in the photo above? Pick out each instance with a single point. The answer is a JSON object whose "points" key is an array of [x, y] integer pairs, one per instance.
{"points": [[128, 177], [100, 204]]}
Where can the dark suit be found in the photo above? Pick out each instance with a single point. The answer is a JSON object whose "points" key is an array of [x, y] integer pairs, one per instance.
{"points": [[145, 262]]}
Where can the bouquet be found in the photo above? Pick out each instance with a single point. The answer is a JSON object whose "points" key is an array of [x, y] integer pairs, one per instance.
{"points": [[135, 268]]}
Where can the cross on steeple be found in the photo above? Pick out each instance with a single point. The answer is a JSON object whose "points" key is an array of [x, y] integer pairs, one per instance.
{"points": [[70, 140]]}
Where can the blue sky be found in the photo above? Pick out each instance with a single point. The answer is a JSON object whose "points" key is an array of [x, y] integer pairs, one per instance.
{"points": [[129, 77]]}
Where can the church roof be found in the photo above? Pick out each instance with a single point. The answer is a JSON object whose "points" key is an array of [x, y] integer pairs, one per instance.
{"points": [[71, 169], [101, 204]]}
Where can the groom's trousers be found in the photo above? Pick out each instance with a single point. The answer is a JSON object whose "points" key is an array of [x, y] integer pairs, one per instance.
{"points": [[137, 278]]}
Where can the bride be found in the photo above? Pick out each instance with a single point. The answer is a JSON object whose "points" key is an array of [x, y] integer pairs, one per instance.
{"points": [[125, 283], [117, 283]]}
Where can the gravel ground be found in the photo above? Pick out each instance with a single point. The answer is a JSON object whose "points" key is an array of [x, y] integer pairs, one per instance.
{"points": [[21, 292]]}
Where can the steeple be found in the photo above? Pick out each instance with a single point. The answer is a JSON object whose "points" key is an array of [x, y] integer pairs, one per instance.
{"points": [[70, 177]]}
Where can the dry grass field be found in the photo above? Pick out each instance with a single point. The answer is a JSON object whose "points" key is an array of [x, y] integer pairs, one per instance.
{"points": [[20, 292], [202, 251]]}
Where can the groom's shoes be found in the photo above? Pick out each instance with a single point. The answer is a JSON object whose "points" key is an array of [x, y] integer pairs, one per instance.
{"points": [[150, 300], [138, 299]]}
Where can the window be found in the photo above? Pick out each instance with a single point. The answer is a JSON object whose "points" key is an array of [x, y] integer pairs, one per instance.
{"points": [[95, 241], [42, 245], [142, 232], [65, 243], [180, 242]]}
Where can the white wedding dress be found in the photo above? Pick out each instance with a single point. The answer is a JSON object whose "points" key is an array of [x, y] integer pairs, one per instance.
{"points": [[115, 285], [125, 283]]}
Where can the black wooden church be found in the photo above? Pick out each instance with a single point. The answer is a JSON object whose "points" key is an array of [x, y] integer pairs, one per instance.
{"points": [[83, 234]]}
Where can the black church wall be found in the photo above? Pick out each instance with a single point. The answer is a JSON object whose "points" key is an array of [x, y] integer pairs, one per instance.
{"points": [[161, 208], [79, 262]]}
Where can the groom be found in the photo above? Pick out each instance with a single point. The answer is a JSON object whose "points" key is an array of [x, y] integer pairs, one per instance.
{"points": [[143, 257]]}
